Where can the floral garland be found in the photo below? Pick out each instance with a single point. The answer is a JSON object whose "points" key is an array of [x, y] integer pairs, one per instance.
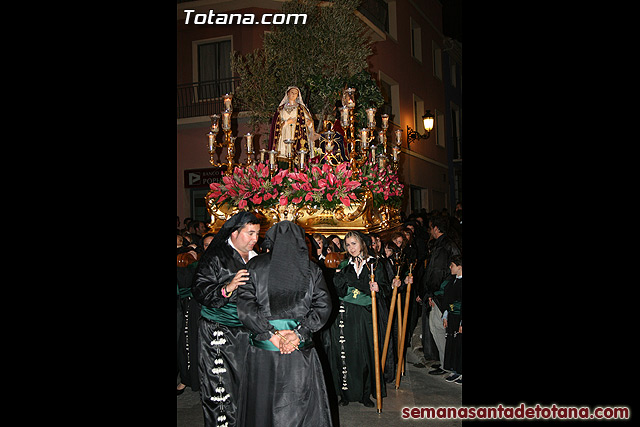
{"points": [[324, 185]]}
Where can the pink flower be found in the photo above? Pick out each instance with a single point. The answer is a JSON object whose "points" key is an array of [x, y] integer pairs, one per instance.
{"points": [[256, 199], [308, 197], [329, 197], [283, 200], [242, 204], [227, 180], [346, 201], [296, 200]]}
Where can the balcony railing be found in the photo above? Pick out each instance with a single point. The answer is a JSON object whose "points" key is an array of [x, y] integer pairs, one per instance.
{"points": [[204, 98]]}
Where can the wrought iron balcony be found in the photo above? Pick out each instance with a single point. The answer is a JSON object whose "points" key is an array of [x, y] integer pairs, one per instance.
{"points": [[204, 98]]}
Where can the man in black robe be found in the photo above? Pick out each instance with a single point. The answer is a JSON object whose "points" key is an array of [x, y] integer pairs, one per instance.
{"points": [[283, 303], [223, 338]]}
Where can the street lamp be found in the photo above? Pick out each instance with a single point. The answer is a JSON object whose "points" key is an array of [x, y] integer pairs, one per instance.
{"points": [[427, 120]]}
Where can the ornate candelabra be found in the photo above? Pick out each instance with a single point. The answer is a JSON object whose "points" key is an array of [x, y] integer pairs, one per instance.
{"points": [[228, 140], [361, 146]]}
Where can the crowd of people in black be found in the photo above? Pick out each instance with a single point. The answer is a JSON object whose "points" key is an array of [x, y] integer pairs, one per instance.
{"points": [[240, 295]]}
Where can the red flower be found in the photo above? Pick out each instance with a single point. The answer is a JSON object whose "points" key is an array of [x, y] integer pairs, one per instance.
{"points": [[283, 200], [242, 204]]}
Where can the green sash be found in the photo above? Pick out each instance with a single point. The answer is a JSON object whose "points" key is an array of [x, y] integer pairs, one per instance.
{"points": [[356, 296], [227, 314], [279, 324], [455, 307]]}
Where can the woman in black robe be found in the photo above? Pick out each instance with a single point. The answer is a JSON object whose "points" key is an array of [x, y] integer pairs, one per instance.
{"points": [[350, 348], [286, 296]]}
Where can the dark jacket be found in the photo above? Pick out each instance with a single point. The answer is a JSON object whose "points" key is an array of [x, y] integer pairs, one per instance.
{"points": [[438, 266], [216, 268]]}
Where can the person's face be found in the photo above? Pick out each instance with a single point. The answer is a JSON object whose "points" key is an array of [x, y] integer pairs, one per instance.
{"points": [[398, 241], [455, 269], [336, 241], [319, 242], [201, 228], [206, 241], [377, 244], [353, 246], [430, 229], [388, 252], [245, 238], [293, 94]]}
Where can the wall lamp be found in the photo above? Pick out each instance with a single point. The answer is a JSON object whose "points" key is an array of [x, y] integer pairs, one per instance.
{"points": [[427, 120]]}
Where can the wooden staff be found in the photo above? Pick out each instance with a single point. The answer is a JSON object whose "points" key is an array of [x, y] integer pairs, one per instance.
{"points": [[404, 327], [387, 333], [376, 350]]}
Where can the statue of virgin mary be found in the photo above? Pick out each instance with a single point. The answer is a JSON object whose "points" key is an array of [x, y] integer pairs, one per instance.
{"points": [[292, 120]]}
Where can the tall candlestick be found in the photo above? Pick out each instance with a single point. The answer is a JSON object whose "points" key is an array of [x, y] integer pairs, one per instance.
{"points": [[371, 117], [398, 137], [385, 121], [344, 116], [272, 159], [226, 120], [227, 102], [249, 143], [364, 138]]}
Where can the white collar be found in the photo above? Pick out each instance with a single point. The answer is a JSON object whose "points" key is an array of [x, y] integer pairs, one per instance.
{"points": [[359, 270], [251, 253]]}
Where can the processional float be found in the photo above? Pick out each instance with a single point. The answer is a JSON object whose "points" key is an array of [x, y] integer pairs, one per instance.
{"points": [[318, 191]]}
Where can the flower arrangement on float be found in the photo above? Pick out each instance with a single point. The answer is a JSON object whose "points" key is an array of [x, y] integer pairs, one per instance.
{"points": [[326, 186]]}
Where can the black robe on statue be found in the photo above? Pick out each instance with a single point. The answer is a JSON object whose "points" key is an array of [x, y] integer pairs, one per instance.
{"points": [[286, 290]]}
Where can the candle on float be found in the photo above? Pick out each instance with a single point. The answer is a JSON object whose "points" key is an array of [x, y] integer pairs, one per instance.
{"points": [[385, 121], [371, 117], [226, 120], [227, 102], [249, 142], [398, 137]]}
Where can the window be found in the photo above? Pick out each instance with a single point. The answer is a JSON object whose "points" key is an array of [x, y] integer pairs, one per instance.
{"points": [[440, 129], [454, 67], [437, 60], [391, 95], [213, 67], [418, 111], [416, 40], [416, 199], [455, 130]]}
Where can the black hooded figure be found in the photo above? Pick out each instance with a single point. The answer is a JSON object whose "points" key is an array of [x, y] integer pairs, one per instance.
{"points": [[223, 338], [286, 295]]}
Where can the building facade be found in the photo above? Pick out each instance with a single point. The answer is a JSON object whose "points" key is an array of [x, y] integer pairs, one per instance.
{"points": [[409, 63]]}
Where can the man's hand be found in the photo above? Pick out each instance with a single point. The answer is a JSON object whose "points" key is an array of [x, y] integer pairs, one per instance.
{"points": [[239, 279]]}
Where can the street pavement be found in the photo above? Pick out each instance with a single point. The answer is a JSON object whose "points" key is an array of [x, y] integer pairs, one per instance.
{"points": [[417, 389]]}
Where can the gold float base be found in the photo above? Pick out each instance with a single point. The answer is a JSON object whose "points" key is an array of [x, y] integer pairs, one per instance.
{"points": [[361, 215]]}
